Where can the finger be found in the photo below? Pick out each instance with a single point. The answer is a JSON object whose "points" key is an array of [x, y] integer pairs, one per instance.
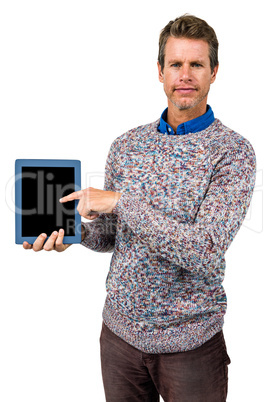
{"points": [[60, 236], [39, 242], [51, 242], [91, 217], [59, 246], [27, 246], [80, 206], [73, 196]]}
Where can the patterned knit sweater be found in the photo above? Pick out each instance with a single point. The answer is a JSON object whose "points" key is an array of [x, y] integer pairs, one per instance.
{"points": [[184, 199]]}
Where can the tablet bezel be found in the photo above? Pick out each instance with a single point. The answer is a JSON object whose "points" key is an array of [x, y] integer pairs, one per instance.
{"points": [[19, 164]]}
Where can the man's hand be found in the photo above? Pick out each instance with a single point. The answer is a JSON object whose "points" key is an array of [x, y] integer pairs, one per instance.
{"points": [[54, 242], [93, 202]]}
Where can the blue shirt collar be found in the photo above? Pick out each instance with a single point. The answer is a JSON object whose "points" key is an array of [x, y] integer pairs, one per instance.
{"points": [[191, 126]]}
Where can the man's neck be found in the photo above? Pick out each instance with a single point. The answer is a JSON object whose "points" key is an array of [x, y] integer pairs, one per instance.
{"points": [[175, 116]]}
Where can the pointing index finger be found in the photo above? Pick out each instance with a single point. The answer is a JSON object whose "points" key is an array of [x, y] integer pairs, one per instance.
{"points": [[73, 196]]}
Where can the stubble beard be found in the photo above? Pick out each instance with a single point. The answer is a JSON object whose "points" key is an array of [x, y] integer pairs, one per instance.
{"points": [[184, 105]]}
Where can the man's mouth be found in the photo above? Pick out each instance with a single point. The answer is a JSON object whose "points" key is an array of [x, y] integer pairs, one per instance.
{"points": [[187, 90]]}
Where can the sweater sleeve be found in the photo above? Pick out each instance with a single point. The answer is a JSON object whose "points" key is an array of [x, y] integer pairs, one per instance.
{"points": [[100, 233], [199, 246]]}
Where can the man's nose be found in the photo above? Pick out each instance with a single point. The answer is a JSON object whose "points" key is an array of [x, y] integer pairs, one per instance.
{"points": [[185, 73]]}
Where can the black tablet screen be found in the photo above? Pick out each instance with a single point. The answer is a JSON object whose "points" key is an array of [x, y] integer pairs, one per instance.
{"points": [[42, 187]]}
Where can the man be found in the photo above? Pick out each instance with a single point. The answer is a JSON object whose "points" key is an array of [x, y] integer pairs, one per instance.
{"points": [[176, 193]]}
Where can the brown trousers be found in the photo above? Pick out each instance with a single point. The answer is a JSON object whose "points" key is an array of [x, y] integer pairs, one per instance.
{"points": [[129, 375]]}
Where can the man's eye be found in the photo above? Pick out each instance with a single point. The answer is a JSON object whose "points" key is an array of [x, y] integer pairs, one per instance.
{"points": [[175, 65], [197, 65]]}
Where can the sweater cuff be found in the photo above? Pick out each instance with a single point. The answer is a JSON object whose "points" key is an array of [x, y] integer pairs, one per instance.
{"points": [[123, 203], [89, 239], [131, 208]]}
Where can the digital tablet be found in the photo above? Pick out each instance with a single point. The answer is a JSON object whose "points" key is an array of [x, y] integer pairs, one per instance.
{"points": [[39, 184]]}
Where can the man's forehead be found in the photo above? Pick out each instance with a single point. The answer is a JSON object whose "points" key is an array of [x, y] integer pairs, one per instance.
{"points": [[184, 47]]}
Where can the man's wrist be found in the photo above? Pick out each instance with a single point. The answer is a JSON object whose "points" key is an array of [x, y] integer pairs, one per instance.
{"points": [[117, 198]]}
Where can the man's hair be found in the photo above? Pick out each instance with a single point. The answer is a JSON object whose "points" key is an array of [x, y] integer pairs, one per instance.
{"points": [[190, 27]]}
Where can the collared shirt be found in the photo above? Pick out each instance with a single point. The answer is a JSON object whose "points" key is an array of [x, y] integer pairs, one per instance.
{"points": [[192, 126]]}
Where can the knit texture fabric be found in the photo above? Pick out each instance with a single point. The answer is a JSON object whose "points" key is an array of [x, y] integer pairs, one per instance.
{"points": [[184, 199]]}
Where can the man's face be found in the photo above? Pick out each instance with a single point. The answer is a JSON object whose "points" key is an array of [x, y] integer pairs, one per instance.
{"points": [[187, 74]]}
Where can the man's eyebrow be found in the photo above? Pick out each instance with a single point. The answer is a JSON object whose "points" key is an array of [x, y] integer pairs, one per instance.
{"points": [[198, 61], [175, 61]]}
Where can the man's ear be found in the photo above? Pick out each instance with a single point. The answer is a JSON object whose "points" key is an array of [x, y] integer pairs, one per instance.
{"points": [[214, 73], [160, 74]]}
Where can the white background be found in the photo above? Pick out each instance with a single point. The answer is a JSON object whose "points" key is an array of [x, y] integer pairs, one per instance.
{"points": [[74, 76]]}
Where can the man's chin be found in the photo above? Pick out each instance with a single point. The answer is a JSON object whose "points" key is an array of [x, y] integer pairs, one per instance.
{"points": [[183, 105]]}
